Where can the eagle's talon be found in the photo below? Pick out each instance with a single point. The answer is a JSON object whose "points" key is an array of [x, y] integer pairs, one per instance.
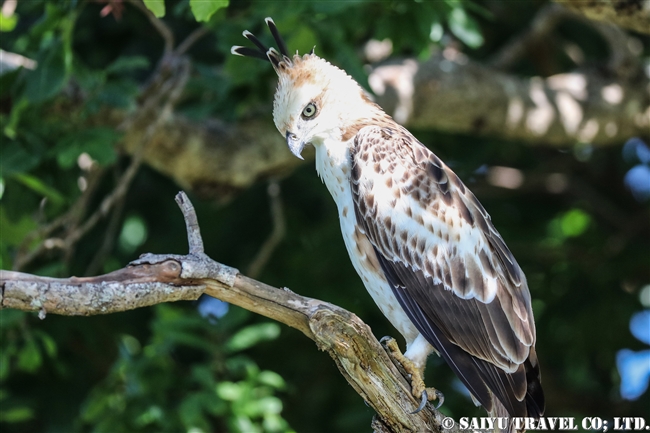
{"points": [[423, 402], [438, 396]]}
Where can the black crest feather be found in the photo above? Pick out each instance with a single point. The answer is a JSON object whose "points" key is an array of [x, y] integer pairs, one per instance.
{"points": [[276, 35], [261, 51]]}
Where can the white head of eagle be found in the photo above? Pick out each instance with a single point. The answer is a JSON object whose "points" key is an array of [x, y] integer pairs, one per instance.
{"points": [[424, 247], [314, 100]]}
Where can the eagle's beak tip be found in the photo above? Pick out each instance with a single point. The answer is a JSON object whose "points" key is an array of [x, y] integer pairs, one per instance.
{"points": [[295, 144]]}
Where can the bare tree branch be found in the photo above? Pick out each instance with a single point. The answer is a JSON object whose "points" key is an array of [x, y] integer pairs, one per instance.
{"points": [[623, 63], [158, 24], [190, 40], [215, 159], [455, 94], [44, 233], [110, 235], [545, 21], [277, 233], [154, 279], [629, 14]]}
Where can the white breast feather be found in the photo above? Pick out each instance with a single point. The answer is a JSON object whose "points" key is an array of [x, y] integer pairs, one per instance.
{"points": [[333, 166]]}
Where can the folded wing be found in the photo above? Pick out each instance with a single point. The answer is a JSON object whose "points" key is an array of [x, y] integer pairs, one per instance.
{"points": [[448, 266]]}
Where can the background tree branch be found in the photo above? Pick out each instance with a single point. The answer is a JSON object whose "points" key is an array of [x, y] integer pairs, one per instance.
{"points": [[632, 15], [449, 93]]}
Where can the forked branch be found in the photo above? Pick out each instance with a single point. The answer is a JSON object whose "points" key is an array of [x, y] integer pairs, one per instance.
{"points": [[154, 279]]}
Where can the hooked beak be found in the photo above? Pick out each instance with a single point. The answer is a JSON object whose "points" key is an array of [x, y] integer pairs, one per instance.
{"points": [[295, 144]]}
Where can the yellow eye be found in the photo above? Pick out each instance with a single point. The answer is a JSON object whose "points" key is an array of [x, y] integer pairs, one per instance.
{"points": [[309, 111]]}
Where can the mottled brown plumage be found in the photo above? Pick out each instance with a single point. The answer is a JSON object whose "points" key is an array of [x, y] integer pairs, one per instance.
{"points": [[423, 245], [444, 288]]}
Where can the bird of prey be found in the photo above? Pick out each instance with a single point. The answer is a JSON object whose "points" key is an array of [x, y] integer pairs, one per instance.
{"points": [[423, 245]]}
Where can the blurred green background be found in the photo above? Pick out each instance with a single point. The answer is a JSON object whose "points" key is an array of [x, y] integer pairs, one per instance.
{"points": [[207, 367]]}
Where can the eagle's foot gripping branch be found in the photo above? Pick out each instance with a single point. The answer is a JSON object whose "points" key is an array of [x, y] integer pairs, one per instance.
{"points": [[418, 388]]}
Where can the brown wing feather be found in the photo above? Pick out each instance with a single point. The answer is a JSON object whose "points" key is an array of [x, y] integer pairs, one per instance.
{"points": [[448, 266]]}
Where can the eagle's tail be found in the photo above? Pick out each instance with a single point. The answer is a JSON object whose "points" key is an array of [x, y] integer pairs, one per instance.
{"points": [[535, 403], [500, 411], [534, 398]]}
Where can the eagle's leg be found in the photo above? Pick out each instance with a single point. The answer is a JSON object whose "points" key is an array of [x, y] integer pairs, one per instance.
{"points": [[416, 374]]}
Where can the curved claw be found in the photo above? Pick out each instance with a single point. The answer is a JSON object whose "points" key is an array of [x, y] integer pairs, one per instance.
{"points": [[425, 397], [423, 402], [385, 338], [440, 397]]}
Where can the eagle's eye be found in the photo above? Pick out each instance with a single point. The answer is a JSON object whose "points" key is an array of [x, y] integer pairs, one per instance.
{"points": [[309, 111]]}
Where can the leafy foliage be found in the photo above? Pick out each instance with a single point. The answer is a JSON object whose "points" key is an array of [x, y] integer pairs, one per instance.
{"points": [[203, 10], [579, 234], [221, 385], [157, 7]]}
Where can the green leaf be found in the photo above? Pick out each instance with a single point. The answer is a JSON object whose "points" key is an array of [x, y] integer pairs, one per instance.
{"points": [[204, 9], [16, 159], [302, 39], [48, 343], [243, 423], [9, 81], [99, 143], [29, 357], [465, 28], [261, 406], [14, 118], [437, 32], [49, 76], [128, 63], [4, 364], [229, 391], [153, 414], [37, 185], [13, 234], [120, 94], [574, 223], [10, 318], [252, 335], [134, 233], [7, 24], [271, 378], [156, 6], [16, 414]]}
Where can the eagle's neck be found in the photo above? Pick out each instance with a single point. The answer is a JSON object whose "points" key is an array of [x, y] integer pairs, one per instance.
{"points": [[333, 166], [333, 161]]}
